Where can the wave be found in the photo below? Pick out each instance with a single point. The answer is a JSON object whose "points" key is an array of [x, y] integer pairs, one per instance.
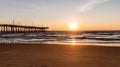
{"points": [[95, 36]]}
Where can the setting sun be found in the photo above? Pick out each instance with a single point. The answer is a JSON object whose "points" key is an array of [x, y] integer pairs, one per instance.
{"points": [[73, 26]]}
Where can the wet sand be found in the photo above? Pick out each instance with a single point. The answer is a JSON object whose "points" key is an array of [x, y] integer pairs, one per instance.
{"points": [[49, 55]]}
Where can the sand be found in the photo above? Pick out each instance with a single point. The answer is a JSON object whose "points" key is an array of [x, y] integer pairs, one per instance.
{"points": [[49, 55]]}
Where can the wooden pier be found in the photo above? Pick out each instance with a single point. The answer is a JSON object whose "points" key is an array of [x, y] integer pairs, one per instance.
{"points": [[10, 28]]}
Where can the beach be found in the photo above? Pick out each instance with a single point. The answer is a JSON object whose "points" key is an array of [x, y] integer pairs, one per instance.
{"points": [[59, 33], [54, 55]]}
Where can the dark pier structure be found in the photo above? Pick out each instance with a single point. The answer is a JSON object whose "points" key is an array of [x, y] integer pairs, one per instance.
{"points": [[10, 28]]}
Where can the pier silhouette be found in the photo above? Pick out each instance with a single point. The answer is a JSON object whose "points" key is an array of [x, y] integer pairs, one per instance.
{"points": [[11, 28]]}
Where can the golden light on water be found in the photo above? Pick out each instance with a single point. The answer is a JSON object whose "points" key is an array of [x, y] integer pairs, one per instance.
{"points": [[73, 42]]}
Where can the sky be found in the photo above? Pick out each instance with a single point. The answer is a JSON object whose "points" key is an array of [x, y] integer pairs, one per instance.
{"points": [[58, 14]]}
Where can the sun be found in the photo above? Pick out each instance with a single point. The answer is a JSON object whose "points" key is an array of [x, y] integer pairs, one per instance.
{"points": [[73, 26]]}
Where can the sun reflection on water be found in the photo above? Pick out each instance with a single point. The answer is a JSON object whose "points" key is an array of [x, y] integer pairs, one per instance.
{"points": [[73, 42]]}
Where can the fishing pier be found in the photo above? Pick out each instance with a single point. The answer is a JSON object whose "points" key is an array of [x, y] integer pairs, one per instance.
{"points": [[10, 28]]}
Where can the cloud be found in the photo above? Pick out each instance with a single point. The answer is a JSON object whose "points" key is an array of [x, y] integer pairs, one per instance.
{"points": [[90, 4]]}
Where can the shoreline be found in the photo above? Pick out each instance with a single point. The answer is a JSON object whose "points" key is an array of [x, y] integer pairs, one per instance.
{"points": [[54, 44]]}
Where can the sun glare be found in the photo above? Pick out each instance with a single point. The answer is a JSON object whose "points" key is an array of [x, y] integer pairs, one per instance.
{"points": [[73, 26]]}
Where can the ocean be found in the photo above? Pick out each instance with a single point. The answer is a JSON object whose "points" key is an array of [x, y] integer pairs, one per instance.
{"points": [[99, 38]]}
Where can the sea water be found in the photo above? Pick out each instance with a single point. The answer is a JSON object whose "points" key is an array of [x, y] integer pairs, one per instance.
{"points": [[99, 38]]}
